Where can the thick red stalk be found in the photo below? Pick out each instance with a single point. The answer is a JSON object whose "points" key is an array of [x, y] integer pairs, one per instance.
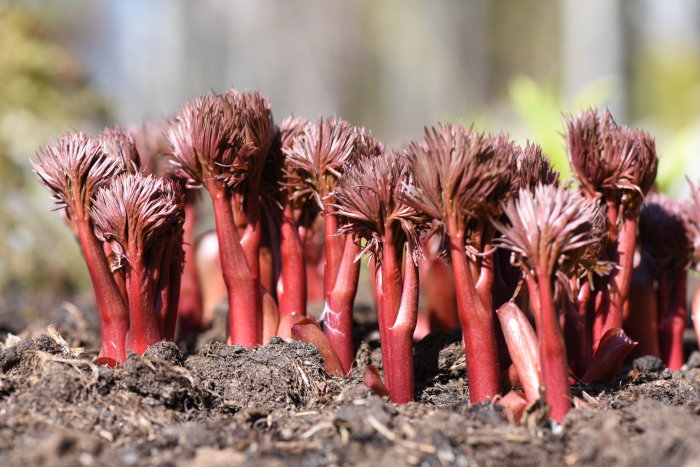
{"points": [[144, 322], [190, 309], [337, 313], [291, 287], [555, 370], [695, 313], [244, 297], [437, 283], [400, 338], [576, 330], [333, 246], [523, 347], [672, 290], [484, 282], [621, 279], [642, 320], [478, 330], [110, 304]]}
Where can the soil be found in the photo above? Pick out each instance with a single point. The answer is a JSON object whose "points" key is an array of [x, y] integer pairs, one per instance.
{"points": [[275, 405]]}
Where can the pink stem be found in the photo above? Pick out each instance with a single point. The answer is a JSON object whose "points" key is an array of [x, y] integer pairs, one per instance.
{"points": [[695, 312], [110, 304], [555, 372], [144, 329], [291, 289], [190, 309], [674, 317], [337, 313], [244, 297], [400, 338], [621, 279], [642, 321], [478, 330]]}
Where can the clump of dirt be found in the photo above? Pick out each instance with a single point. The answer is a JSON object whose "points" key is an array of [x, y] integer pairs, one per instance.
{"points": [[275, 405]]}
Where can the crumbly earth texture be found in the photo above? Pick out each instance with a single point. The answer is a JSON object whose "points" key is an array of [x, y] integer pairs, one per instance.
{"points": [[275, 405]]}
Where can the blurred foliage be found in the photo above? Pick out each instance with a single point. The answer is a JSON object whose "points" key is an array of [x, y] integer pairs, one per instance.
{"points": [[665, 96], [541, 112], [42, 94]]}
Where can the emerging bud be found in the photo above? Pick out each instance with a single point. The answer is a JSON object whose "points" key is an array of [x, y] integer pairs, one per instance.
{"points": [[459, 175], [614, 161], [532, 168], [223, 137], [152, 146], [73, 169], [664, 235], [136, 211], [318, 156], [552, 228], [121, 145], [370, 196]]}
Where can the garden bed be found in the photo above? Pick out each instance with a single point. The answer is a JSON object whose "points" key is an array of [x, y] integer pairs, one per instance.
{"points": [[275, 405]]}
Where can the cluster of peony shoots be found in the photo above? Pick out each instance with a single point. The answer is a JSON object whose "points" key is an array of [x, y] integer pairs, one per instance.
{"points": [[540, 275]]}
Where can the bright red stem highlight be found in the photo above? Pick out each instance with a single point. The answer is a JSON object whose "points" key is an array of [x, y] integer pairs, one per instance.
{"points": [[114, 316], [673, 310], [478, 334], [397, 341], [190, 305], [621, 279], [555, 370], [642, 319], [291, 287], [144, 329], [244, 298], [337, 313]]}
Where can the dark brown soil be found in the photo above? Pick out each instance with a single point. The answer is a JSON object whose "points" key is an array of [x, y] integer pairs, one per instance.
{"points": [[275, 405]]}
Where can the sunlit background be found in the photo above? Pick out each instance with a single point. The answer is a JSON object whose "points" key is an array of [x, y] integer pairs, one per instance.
{"points": [[393, 66]]}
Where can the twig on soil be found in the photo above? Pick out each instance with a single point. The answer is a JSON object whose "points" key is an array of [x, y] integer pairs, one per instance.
{"points": [[316, 428], [388, 434], [46, 357]]}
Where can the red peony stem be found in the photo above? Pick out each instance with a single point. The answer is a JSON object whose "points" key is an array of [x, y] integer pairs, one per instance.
{"points": [[110, 304], [555, 372], [334, 245], [642, 321], [622, 278], [437, 283], [478, 333], [144, 329], [291, 289], [400, 337], [337, 313], [190, 309], [695, 313], [244, 298], [672, 296]]}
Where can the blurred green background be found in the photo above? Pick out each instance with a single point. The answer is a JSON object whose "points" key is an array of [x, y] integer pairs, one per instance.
{"points": [[393, 66]]}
